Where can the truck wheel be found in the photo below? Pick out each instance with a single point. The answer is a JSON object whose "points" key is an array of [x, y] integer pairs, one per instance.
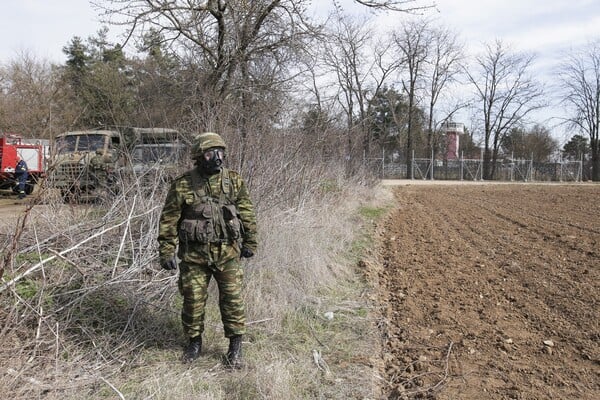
{"points": [[71, 195], [29, 188]]}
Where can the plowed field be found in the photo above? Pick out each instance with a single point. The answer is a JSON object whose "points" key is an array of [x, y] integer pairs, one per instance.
{"points": [[491, 292]]}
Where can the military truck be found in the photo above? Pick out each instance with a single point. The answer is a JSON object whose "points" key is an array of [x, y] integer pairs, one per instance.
{"points": [[153, 163], [73, 158]]}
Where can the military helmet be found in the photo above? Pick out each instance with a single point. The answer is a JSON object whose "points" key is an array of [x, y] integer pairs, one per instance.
{"points": [[205, 141]]}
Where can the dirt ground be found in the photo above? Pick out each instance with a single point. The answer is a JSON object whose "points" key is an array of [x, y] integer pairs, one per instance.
{"points": [[491, 292], [11, 208]]}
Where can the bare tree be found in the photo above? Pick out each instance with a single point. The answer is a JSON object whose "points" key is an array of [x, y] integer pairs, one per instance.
{"points": [[506, 94], [386, 66], [580, 82], [412, 42], [360, 68], [239, 47], [238, 57], [345, 54], [227, 37], [445, 65], [29, 96]]}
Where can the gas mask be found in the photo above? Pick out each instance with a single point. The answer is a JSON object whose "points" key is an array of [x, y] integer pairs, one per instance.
{"points": [[212, 160]]}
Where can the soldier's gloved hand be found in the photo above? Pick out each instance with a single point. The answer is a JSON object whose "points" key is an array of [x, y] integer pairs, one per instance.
{"points": [[246, 253], [169, 263]]}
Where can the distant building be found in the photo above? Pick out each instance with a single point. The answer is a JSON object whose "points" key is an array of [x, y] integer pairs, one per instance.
{"points": [[452, 131]]}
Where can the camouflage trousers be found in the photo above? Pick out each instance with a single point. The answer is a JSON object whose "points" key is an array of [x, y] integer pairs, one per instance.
{"points": [[193, 286]]}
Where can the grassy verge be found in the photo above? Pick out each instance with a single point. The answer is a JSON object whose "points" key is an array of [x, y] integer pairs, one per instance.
{"points": [[99, 323]]}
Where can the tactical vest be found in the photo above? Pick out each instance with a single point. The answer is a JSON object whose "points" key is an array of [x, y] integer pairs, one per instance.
{"points": [[210, 217], [97, 163]]}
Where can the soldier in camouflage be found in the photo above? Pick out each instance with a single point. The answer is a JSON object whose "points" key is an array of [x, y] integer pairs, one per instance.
{"points": [[99, 168], [208, 214]]}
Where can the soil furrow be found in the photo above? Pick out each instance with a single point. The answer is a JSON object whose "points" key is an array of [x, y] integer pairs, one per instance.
{"points": [[483, 299]]}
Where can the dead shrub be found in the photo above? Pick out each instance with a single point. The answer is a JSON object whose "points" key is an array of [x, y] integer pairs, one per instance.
{"points": [[90, 313]]}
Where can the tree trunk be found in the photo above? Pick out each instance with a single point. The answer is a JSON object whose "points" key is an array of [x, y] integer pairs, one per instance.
{"points": [[409, 136], [595, 145]]}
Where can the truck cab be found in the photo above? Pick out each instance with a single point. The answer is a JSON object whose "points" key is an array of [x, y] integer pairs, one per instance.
{"points": [[72, 152]]}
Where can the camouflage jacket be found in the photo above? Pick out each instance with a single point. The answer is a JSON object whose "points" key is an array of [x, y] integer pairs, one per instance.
{"points": [[97, 163], [189, 189]]}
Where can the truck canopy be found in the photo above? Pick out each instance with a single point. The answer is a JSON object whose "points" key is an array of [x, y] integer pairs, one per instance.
{"points": [[135, 136]]}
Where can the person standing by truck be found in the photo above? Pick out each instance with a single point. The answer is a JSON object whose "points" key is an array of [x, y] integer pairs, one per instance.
{"points": [[21, 176]]}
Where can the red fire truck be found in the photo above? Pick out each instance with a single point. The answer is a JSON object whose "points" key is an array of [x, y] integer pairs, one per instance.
{"points": [[12, 146]]}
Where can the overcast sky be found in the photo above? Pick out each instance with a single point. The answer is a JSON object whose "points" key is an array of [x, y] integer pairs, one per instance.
{"points": [[532, 24], [44, 27], [546, 27]]}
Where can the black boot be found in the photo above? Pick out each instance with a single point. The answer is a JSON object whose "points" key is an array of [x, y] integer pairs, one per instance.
{"points": [[192, 351], [234, 353]]}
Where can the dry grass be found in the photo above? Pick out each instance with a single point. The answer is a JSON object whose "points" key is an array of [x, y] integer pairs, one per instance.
{"points": [[97, 318]]}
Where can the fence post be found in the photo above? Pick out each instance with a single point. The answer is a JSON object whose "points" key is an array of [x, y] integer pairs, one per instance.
{"points": [[462, 164], [383, 163], [481, 165], [412, 166], [512, 166], [530, 172], [432, 160], [560, 169]]}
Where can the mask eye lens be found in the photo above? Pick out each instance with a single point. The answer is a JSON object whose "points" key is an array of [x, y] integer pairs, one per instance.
{"points": [[213, 154]]}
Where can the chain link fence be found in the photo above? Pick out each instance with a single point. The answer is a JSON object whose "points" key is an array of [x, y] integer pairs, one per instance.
{"points": [[472, 169]]}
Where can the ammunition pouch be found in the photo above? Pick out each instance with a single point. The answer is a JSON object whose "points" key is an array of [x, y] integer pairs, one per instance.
{"points": [[233, 222], [210, 223], [197, 226]]}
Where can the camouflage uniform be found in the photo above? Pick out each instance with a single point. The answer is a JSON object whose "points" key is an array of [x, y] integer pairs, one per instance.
{"points": [[191, 198], [99, 168]]}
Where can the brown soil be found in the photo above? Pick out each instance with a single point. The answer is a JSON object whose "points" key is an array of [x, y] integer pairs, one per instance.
{"points": [[491, 292]]}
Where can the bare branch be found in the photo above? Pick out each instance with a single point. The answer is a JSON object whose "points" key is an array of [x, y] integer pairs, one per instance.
{"points": [[407, 6]]}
